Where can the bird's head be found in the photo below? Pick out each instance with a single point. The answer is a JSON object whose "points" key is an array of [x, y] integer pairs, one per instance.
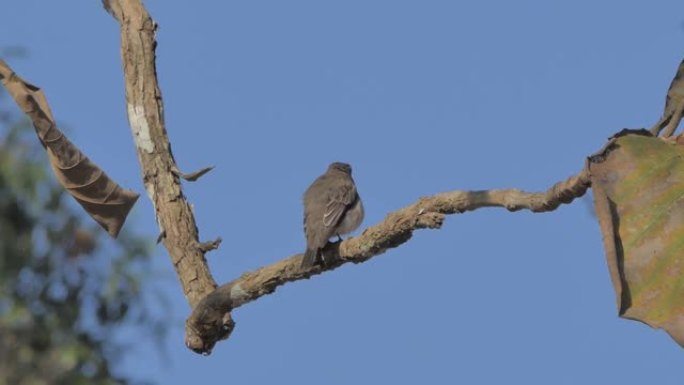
{"points": [[339, 166]]}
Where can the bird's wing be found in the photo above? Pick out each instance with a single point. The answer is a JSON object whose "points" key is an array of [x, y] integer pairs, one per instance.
{"points": [[338, 202]]}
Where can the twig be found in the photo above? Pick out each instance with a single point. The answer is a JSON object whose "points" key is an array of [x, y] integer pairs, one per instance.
{"points": [[193, 176]]}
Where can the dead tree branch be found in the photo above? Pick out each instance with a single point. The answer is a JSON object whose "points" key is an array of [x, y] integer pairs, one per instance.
{"points": [[207, 323], [146, 117]]}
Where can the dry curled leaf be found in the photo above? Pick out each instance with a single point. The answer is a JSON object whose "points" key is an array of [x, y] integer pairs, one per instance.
{"points": [[638, 185], [102, 198]]}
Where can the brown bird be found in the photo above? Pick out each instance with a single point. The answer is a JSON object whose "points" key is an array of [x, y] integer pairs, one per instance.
{"points": [[332, 206], [674, 105]]}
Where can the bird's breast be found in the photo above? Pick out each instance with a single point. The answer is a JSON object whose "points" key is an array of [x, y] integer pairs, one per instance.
{"points": [[352, 219]]}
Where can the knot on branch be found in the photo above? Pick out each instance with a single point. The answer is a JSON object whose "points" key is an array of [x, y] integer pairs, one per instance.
{"points": [[210, 245], [429, 220], [207, 325]]}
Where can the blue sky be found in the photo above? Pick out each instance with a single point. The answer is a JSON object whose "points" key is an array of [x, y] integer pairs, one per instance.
{"points": [[420, 97]]}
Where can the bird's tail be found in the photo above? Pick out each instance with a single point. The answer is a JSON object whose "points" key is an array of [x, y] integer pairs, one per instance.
{"points": [[309, 258]]}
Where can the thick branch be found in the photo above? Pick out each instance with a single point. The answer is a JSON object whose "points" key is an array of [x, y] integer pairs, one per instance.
{"points": [[146, 117], [206, 325]]}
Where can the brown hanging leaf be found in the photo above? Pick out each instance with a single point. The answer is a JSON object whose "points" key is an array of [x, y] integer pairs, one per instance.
{"points": [[102, 198], [638, 186]]}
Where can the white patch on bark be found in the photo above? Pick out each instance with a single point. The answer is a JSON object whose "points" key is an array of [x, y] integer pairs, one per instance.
{"points": [[149, 187], [141, 130], [237, 294]]}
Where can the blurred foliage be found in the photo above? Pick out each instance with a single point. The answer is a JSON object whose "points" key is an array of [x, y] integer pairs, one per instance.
{"points": [[66, 288]]}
